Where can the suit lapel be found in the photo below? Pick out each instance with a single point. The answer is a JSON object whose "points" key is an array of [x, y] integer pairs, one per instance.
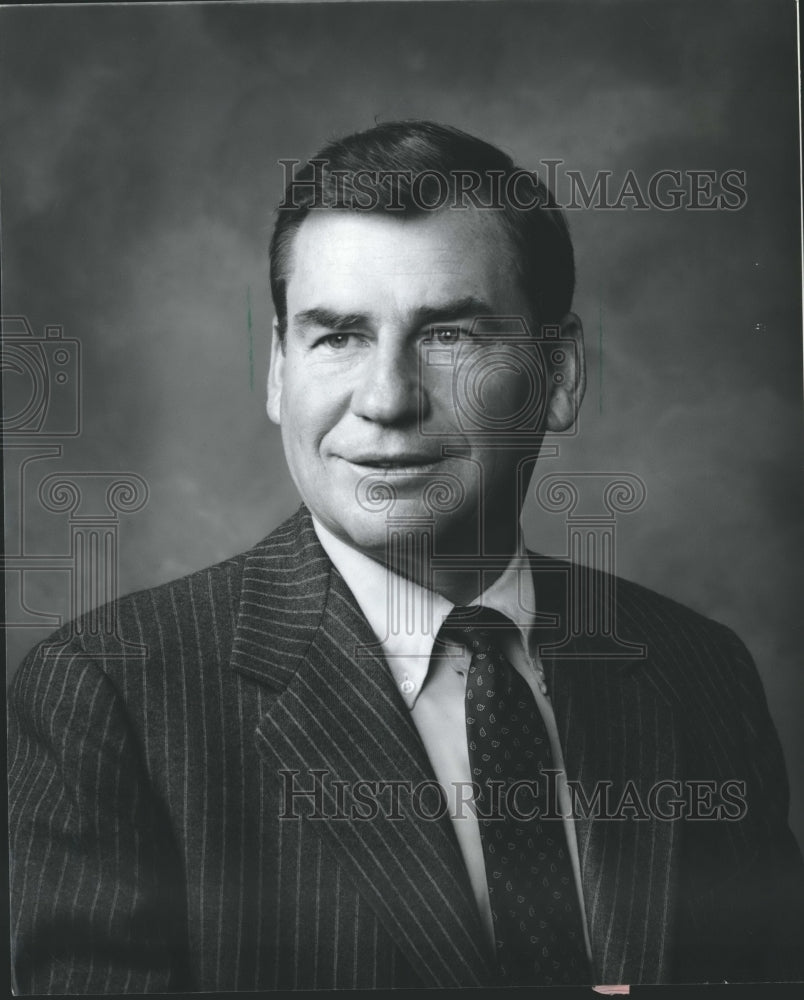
{"points": [[336, 711], [618, 736]]}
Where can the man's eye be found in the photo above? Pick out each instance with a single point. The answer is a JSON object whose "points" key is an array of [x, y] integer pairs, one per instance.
{"points": [[449, 334], [336, 341]]}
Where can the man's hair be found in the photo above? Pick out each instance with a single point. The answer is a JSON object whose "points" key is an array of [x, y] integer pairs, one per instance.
{"points": [[412, 168]]}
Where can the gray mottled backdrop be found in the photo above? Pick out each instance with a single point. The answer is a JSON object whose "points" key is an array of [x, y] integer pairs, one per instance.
{"points": [[139, 170]]}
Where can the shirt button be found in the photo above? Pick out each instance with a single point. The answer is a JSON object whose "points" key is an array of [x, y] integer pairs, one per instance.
{"points": [[407, 687]]}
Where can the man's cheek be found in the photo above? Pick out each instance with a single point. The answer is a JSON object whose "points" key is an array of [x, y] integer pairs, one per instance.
{"points": [[498, 392]]}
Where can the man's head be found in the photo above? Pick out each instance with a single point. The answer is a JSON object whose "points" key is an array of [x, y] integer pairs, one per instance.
{"points": [[412, 169], [407, 369]]}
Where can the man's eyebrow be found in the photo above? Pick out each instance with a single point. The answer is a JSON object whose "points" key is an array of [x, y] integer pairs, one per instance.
{"points": [[329, 319], [468, 306]]}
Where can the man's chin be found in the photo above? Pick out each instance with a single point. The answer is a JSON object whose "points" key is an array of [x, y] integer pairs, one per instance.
{"points": [[367, 534], [410, 525], [381, 537]]}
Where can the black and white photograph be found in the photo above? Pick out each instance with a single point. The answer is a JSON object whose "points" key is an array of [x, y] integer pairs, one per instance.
{"points": [[402, 461]]}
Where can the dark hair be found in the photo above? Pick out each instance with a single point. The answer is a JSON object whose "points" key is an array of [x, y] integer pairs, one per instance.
{"points": [[396, 167]]}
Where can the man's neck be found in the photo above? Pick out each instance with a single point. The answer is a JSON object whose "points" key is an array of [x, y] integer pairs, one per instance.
{"points": [[399, 611], [458, 575]]}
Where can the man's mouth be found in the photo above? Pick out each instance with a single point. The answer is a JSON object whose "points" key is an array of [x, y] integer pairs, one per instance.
{"points": [[391, 463]]}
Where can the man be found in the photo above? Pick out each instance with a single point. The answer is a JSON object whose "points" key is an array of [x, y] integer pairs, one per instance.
{"points": [[373, 750]]}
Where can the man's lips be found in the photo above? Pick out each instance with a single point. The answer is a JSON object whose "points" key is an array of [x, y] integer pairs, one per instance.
{"points": [[384, 463]]}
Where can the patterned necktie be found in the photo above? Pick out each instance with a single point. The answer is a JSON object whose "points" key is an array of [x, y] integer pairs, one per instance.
{"points": [[537, 919]]}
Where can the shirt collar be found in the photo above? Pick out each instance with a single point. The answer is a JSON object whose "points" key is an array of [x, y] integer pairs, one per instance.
{"points": [[406, 617]]}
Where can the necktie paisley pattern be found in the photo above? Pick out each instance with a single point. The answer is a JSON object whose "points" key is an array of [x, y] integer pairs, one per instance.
{"points": [[537, 919]]}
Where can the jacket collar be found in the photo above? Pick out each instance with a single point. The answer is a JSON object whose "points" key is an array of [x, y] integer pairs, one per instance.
{"points": [[284, 591]]}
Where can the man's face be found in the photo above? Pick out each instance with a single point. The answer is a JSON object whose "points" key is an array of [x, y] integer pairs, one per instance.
{"points": [[366, 295]]}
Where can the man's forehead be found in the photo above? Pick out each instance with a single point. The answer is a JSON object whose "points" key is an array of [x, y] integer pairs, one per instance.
{"points": [[448, 256], [339, 236]]}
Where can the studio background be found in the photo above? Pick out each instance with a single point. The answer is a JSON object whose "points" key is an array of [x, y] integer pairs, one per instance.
{"points": [[139, 173]]}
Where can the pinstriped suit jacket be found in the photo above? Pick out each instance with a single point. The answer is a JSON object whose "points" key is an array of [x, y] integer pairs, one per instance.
{"points": [[148, 852]]}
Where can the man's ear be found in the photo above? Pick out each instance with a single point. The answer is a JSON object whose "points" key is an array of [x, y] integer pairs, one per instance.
{"points": [[276, 374], [566, 374]]}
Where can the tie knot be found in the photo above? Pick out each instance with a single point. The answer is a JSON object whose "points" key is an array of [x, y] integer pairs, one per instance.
{"points": [[474, 625]]}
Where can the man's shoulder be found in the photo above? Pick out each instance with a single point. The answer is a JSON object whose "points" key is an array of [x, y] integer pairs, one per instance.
{"points": [[634, 613], [223, 580], [637, 600], [698, 666], [201, 605], [627, 595]]}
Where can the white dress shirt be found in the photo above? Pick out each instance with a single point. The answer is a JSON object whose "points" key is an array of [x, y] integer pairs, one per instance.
{"points": [[406, 618]]}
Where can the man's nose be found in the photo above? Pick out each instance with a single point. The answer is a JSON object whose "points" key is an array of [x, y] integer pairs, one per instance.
{"points": [[389, 389]]}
